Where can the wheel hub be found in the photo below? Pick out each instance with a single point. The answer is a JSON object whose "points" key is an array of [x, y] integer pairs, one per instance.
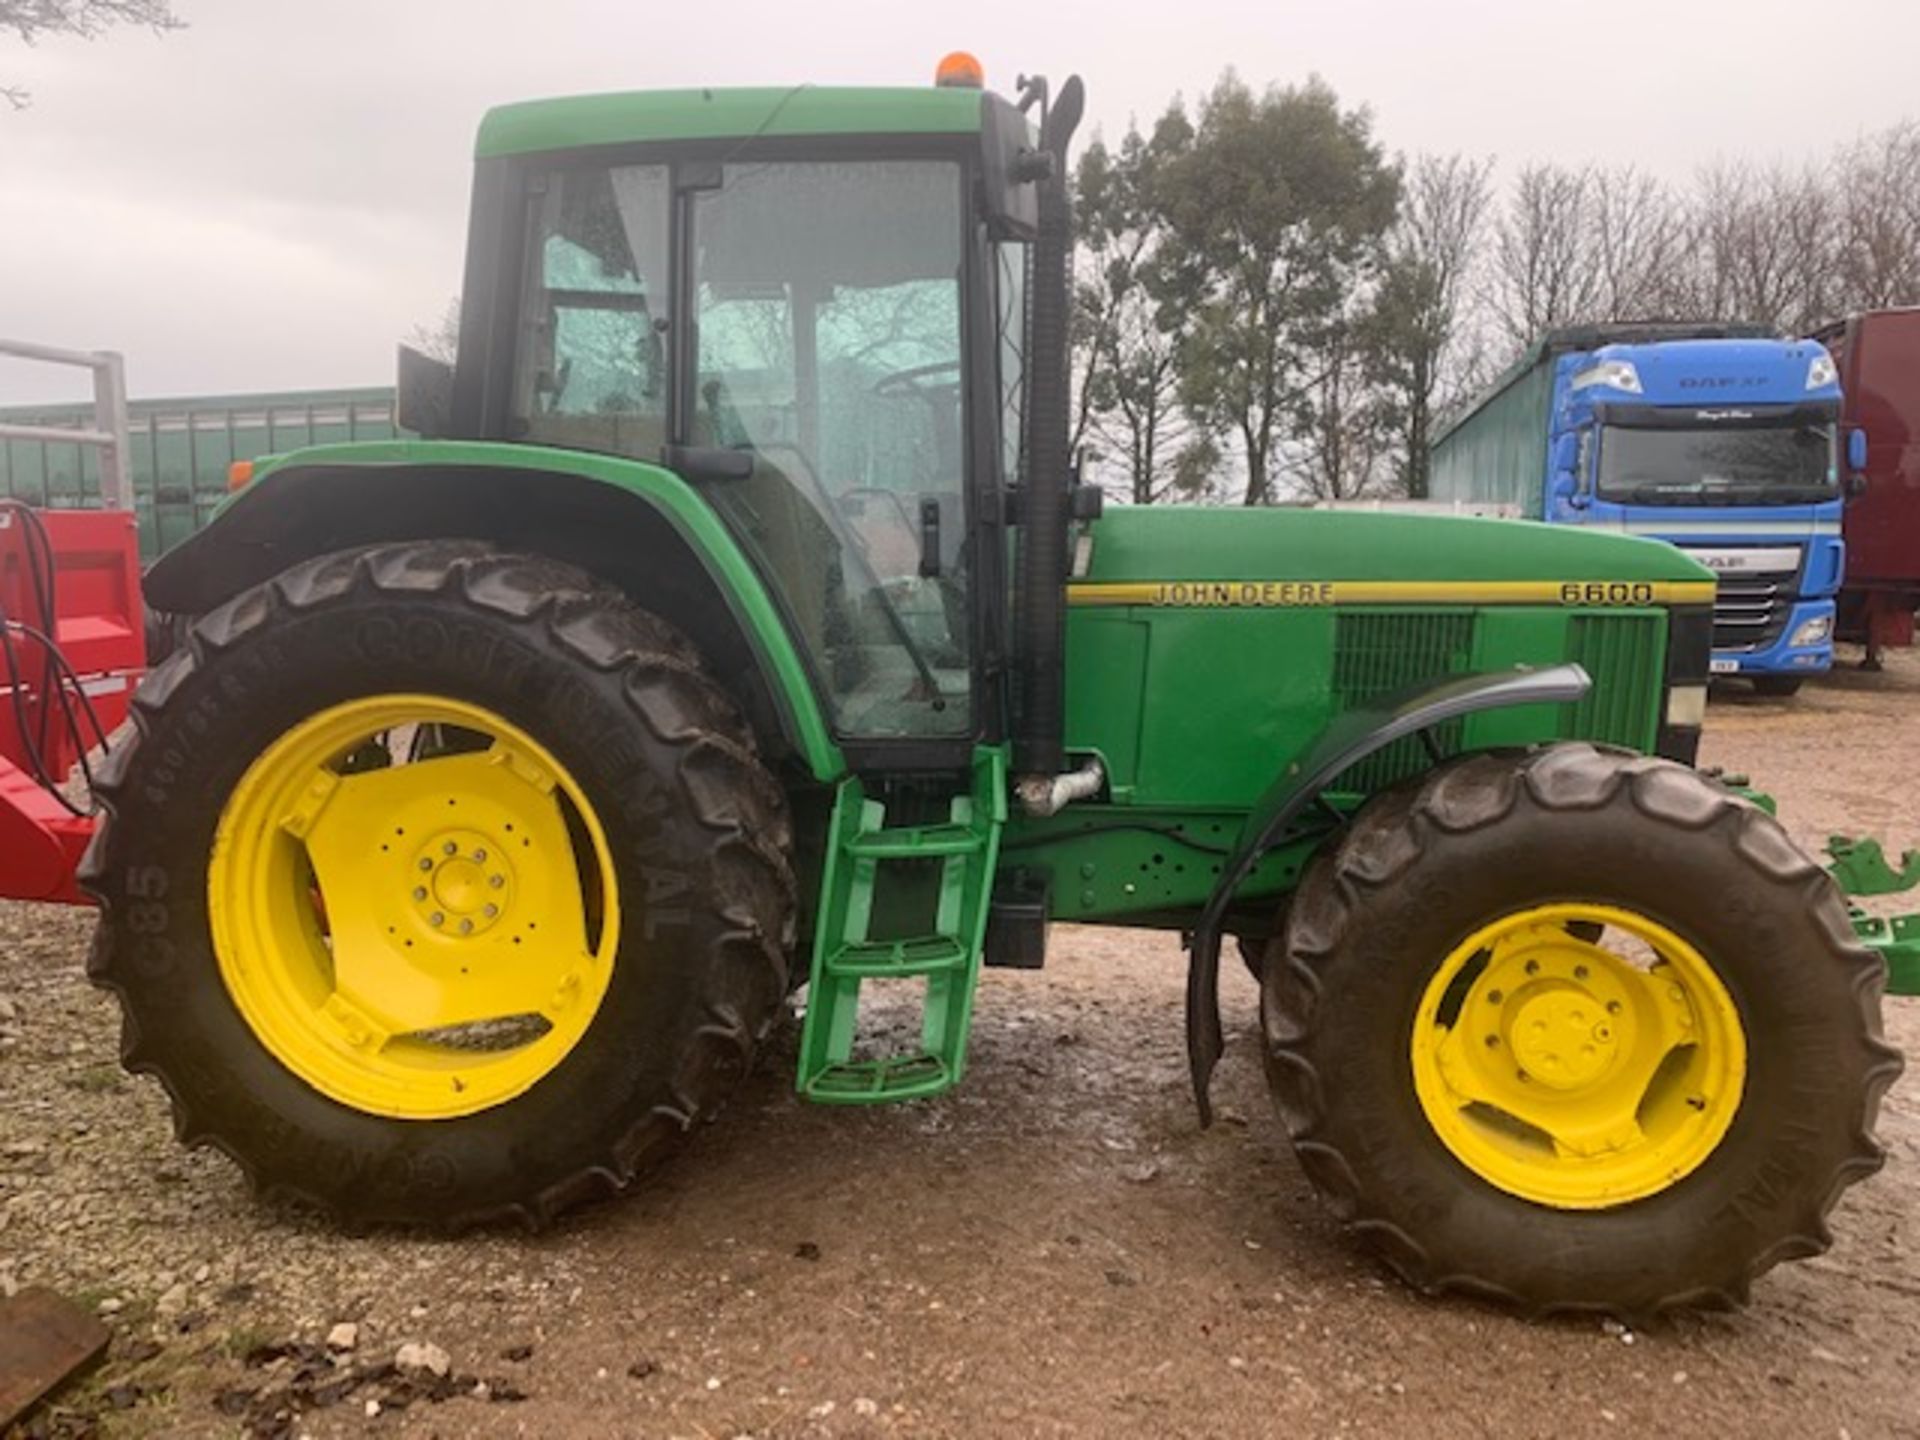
{"points": [[1561, 1037], [460, 883]]}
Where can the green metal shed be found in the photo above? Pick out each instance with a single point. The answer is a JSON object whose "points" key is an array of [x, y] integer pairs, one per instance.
{"points": [[180, 449]]}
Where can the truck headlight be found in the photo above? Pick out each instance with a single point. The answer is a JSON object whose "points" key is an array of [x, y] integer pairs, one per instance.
{"points": [[1620, 374], [1822, 372], [1816, 631], [1687, 706]]}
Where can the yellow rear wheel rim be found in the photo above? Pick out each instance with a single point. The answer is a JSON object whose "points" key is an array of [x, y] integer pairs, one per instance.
{"points": [[413, 906], [1579, 1056]]}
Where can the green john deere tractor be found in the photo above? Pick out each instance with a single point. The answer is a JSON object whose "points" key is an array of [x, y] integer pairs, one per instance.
{"points": [[741, 626]]}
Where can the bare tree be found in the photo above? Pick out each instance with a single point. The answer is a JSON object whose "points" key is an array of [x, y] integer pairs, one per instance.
{"points": [[1419, 331], [1760, 245], [88, 19], [1879, 216], [441, 339], [1639, 236], [1543, 271]]}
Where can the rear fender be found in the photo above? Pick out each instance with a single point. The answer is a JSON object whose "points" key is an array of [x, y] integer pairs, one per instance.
{"points": [[1347, 740], [635, 525]]}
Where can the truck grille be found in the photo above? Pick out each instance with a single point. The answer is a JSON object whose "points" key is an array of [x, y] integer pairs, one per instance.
{"points": [[1750, 610]]}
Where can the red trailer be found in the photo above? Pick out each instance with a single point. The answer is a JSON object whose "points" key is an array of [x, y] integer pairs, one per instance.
{"points": [[1879, 358]]}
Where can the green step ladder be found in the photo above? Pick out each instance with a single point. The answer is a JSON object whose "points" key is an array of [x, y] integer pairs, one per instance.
{"points": [[861, 848]]}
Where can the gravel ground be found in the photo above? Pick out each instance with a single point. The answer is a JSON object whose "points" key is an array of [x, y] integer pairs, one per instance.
{"points": [[1056, 1249]]}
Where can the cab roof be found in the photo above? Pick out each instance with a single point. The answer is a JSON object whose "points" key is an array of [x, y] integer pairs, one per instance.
{"points": [[650, 115]]}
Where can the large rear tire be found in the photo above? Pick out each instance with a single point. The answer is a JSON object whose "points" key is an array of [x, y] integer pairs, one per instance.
{"points": [[1576, 1030], [440, 885]]}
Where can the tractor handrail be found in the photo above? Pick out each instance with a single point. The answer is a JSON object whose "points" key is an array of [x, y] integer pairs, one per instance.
{"points": [[109, 432]]}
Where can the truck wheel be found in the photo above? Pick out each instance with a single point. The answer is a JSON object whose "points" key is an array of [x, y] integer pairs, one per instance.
{"points": [[1628, 1123], [1778, 686], [440, 885]]}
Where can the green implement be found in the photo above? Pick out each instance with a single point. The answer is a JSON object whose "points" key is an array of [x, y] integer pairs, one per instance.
{"points": [[1860, 867]]}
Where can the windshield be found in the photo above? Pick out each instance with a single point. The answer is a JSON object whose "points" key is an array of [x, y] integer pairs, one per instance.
{"points": [[827, 300], [1793, 464]]}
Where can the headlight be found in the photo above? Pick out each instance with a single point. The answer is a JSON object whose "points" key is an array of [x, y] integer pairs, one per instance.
{"points": [[1822, 372], [1619, 374], [1687, 705], [1813, 632]]}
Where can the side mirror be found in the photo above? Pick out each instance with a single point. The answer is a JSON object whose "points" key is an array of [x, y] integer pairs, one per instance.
{"points": [[423, 398], [1857, 450], [1566, 472]]}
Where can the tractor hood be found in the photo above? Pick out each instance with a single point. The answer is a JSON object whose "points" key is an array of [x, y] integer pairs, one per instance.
{"points": [[1284, 557]]}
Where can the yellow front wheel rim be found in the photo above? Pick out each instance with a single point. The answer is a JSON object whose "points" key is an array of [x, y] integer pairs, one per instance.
{"points": [[413, 906], [1579, 1056]]}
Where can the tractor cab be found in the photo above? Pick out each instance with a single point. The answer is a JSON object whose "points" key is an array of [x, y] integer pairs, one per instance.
{"points": [[811, 305]]}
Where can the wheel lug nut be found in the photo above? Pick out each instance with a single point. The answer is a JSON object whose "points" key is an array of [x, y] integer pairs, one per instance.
{"points": [[1494, 997], [449, 848], [419, 892], [1579, 972], [426, 864], [491, 911], [1493, 1042], [480, 857], [436, 918], [466, 927], [1613, 1007], [496, 881], [1533, 967]]}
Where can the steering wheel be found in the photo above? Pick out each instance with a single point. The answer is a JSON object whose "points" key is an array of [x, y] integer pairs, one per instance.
{"points": [[907, 382]]}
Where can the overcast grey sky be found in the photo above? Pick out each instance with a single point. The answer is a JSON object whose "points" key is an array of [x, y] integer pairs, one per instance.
{"points": [[272, 197]]}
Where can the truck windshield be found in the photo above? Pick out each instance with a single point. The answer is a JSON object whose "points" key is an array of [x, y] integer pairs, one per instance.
{"points": [[1792, 464], [827, 306]]}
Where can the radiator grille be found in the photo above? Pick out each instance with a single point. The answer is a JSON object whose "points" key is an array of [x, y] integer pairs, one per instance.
{"points": [[1622, 653], [1375, 654]]}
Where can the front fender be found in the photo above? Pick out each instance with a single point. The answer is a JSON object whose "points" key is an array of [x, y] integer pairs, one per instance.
{"points": [[1347, 740], [601, 511]]}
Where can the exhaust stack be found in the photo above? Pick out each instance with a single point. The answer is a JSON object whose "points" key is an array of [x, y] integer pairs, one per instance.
{"points": [[1039, 750]]}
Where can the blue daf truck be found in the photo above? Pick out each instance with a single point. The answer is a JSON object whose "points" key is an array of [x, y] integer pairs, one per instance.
{"points": [[1723, 440]]}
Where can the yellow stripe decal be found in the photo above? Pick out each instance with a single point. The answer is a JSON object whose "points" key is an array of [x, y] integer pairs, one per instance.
{"points": [[1271, 594]]}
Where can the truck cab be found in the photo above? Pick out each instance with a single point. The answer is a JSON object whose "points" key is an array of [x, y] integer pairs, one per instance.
{"points": [[1722, 440]]}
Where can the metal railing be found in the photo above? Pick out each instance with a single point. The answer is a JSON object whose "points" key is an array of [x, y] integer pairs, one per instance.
{"points": [[109, 432]]}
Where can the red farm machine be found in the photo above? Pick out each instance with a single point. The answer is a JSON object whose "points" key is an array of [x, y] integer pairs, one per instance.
{"points": [[72, 646]]}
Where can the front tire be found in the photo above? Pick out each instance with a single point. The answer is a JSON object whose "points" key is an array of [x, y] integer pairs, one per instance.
{"points": [[1576, 1030], [440, 885], [1778, 687]]}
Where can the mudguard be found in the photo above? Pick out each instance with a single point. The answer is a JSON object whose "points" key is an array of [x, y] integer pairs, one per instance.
{"points": [[335, 497], [1350, 738]]}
